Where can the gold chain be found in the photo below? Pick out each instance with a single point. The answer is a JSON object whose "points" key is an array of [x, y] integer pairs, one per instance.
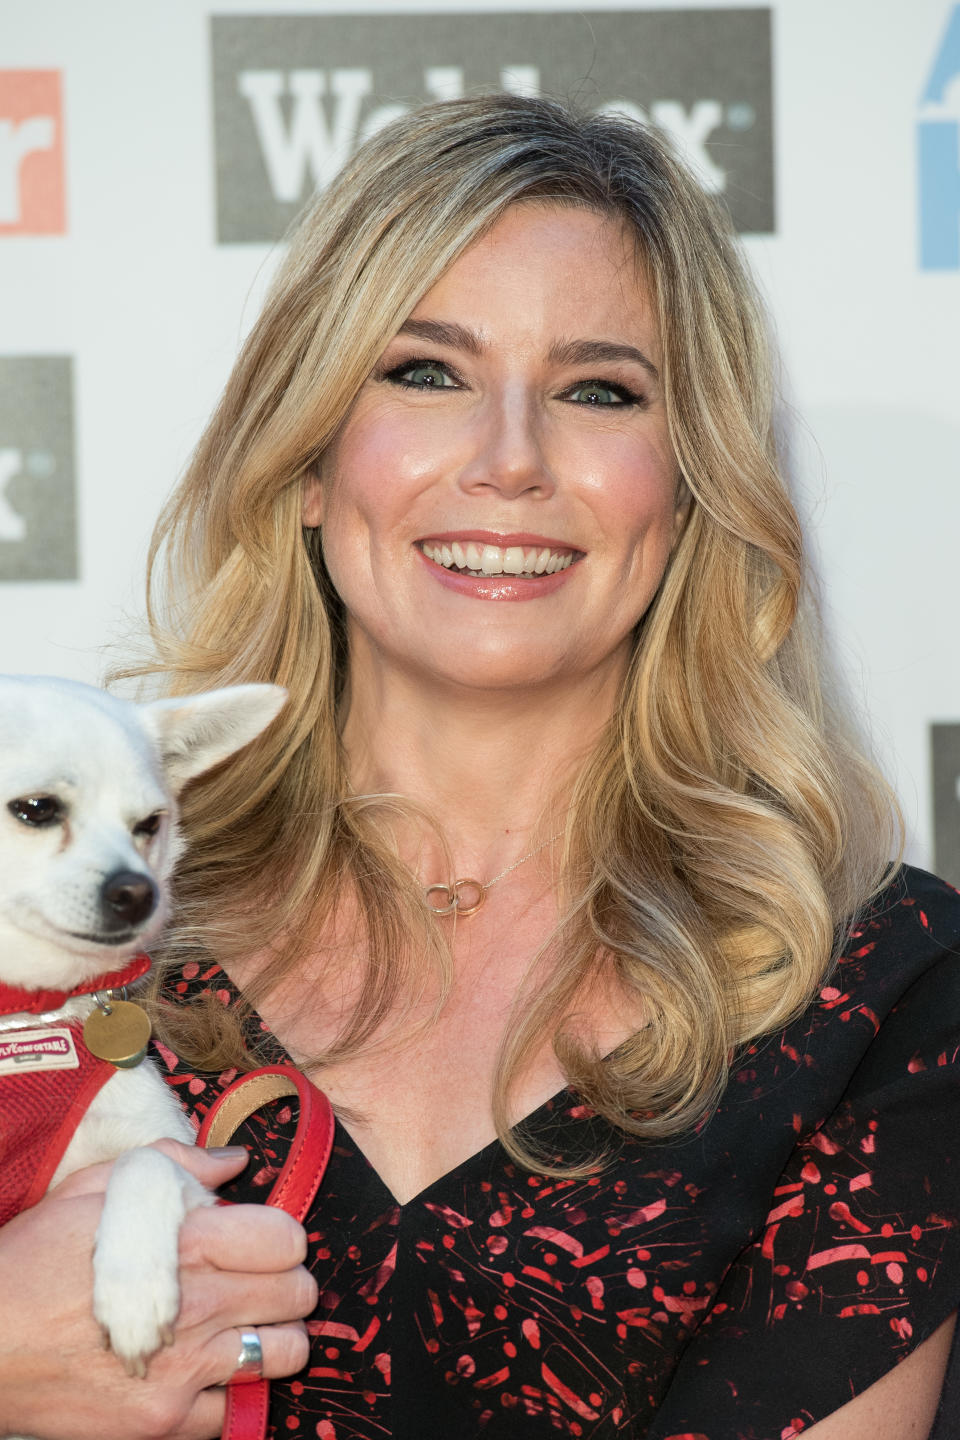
{"points": [[452, 893]]}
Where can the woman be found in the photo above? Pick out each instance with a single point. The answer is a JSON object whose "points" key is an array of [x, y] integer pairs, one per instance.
{"points": [[546, 873]]}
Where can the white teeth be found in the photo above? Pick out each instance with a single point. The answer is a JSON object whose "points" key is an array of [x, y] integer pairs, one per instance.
{"points": [[498, 560]]}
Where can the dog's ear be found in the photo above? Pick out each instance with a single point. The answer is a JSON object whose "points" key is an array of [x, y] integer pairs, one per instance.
{"points": [[196, 732]]}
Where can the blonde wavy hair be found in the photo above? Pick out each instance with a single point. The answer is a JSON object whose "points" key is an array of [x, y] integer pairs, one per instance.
{"points": [[725, 825]]}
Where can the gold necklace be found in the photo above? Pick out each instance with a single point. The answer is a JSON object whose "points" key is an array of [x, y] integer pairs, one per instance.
{"points": [[453, 893]]}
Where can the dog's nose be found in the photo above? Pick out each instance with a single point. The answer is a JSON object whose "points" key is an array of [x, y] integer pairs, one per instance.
{"points": [[127, 899]]}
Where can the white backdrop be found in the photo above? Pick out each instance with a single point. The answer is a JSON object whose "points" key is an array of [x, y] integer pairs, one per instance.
{"points": [[151, 308]]}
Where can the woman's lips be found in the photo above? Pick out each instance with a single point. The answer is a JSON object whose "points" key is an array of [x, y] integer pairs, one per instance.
{"points": [[507, 555], [497, 572], [498, 537]]}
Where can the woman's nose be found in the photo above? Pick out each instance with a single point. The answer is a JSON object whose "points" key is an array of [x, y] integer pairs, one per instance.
{"points": [[508, 451]]}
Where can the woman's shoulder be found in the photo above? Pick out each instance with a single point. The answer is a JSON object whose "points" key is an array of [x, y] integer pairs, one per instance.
{"points": [[886, 1015], [842, 1129], [912, 925], [913, 904], [899, 971]]}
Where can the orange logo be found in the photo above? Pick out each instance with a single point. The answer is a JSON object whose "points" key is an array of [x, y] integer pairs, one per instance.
{"points": [[32, 200]]}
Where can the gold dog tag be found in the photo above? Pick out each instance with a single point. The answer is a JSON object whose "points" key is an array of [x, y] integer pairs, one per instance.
{"points": [[118, 1034]]}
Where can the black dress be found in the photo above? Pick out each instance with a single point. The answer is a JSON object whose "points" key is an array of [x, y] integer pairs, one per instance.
{"points": [[738, 1284]]}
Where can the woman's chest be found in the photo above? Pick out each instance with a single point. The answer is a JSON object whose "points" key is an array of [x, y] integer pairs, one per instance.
{"points": [[499, 1301], [421, 1101]]}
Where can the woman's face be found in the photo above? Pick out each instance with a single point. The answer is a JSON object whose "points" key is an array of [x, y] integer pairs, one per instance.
{"points": [[501, 502]]}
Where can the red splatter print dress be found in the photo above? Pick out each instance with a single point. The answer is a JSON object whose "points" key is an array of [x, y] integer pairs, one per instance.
{"points": [[738, 1284]]}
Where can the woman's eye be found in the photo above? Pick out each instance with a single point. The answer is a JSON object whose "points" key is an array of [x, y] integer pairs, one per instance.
{"points": [[594, 392], [423, 375]]}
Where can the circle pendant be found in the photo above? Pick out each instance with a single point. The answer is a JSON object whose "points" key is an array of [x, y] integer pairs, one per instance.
{"points": [[119, 1035], [471, 887], [445, 890]]}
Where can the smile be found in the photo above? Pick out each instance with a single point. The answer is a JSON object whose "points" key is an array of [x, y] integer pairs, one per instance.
{"points": [[471, 558]]}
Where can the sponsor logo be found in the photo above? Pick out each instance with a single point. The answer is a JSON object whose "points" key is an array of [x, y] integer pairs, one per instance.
{"points": [[294, 95], [938, 155], [25, 1051], [945, 752], [38, 520], [32, 200]]}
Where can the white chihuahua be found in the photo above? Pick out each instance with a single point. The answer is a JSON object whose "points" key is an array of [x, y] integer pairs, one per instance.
{"points": [[88, 840]]}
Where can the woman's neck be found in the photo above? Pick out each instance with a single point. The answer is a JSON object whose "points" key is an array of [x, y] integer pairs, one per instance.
{"points": [[493, 769]]}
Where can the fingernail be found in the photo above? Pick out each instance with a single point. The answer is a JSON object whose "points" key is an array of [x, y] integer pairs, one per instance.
{"points": [[228, 1152]]}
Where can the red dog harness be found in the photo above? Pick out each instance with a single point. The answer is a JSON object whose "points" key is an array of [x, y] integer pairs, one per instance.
{"points": [[48, 1078], [40, 1108]]}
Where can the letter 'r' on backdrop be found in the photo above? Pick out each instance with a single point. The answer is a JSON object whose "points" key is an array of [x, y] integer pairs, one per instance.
{"points": [[152, 156]]}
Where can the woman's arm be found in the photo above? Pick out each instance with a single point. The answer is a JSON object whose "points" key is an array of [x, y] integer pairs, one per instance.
{"points": [[901, 1405], [240, 1266]]}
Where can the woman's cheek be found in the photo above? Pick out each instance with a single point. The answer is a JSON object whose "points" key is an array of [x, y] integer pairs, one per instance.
{"points": [[386, 467]]}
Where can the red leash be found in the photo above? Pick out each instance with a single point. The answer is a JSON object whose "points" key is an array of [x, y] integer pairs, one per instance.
{"points": [[293, 1191]]}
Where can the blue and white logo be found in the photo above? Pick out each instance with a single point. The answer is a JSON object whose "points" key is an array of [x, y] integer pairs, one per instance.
{"points": [[938, 138]]}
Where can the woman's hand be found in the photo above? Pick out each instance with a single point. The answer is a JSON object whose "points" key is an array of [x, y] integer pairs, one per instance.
{"points": [[241, 1266]]}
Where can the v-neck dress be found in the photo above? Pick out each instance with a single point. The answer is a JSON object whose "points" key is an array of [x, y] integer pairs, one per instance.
{"points": [[739, 1283]]}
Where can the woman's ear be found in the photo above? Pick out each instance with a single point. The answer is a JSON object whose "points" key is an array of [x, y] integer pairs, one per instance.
{"points": [[682, 509], [311, 502]]}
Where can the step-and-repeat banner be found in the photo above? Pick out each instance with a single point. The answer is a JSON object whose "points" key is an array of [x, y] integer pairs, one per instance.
{"points": [[153, 155]]}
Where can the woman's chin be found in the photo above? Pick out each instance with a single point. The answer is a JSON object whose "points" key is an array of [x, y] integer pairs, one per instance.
{"points": [[524, 672]]}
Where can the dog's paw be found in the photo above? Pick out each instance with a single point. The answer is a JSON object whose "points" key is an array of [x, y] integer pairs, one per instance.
{"points": [[136, 1290], [136, 1302]]}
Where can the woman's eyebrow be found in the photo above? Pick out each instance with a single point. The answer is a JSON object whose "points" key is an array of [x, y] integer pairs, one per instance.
{"points": [[441, 333], [562, 352], [587, 352]]}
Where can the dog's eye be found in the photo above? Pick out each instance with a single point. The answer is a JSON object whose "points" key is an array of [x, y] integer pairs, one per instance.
{"points": [[149, 826], [37, 810]]}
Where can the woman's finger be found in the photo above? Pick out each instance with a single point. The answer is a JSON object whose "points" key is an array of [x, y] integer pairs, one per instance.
{"points": [[286, 1349], [211, 1167], [206, 1416], [224, 1299], [179, 1370], [253, 1238]]}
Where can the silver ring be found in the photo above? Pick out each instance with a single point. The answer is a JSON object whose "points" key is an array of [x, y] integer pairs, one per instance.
{"points": [[250, 1359]]}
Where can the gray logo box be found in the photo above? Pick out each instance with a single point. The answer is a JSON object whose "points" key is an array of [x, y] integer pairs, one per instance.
{"points": [[294, 94], [38, 504], [945, 756]]}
